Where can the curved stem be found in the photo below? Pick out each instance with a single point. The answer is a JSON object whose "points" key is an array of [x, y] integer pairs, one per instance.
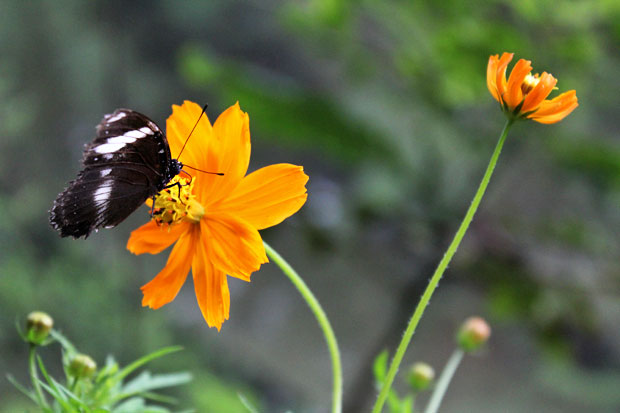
{"points": [[314, 305], [34, 377], [444, 381], [432, 285]]}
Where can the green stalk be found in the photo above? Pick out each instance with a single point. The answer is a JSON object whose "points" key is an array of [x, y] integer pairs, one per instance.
{"points": [[432, 285], [314, 305], [444, 381], [34, 377]]}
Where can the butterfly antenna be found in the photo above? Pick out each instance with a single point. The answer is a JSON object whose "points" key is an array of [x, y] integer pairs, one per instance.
{"points": [[204, 109], [200, 170]]}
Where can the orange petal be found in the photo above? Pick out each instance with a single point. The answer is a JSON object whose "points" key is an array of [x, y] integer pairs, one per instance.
{"points": [[268, 196], [178, 128], [211, 288], [229, 153], [235, 247], [166, 285], [539, 93], [556, 109], [514, 94], [491, 76], [500, 75], [153, 238]]}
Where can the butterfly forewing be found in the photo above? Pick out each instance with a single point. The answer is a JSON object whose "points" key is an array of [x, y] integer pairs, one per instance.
{"points": [[127, 162]]}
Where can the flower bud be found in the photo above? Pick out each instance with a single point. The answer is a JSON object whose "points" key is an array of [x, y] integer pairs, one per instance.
{"points": [[38, 326], [473, 334], [421, 375], [82, 366]]}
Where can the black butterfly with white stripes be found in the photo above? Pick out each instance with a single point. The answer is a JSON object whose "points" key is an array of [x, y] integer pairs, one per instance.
{"points": [[128, 161]]}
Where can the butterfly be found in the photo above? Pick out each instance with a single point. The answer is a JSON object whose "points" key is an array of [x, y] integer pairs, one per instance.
{"points": [[128, 162]]}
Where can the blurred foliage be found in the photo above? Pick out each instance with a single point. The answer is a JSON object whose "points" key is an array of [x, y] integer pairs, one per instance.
{"points": [[86, 388], [395, 403], [385, 104]]}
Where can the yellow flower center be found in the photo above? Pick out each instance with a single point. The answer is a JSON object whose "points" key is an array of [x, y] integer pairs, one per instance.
{"points": [[194, 210], [529, 83], [177, 203]]}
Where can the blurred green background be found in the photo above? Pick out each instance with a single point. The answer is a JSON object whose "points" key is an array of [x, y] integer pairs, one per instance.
{"points": [[385, 105]]}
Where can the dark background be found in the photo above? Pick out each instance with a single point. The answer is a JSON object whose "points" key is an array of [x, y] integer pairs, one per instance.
{"points": [[385, 105]]}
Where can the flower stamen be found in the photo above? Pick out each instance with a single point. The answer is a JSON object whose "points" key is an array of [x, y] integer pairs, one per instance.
{"points": [[529, 83], [177, 203]]}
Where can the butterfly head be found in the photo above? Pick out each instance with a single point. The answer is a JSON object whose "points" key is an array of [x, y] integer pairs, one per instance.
{"points": [[174, 169]]}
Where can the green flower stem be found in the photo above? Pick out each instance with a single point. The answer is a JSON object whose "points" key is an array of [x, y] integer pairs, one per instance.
{"points": [[314, 305], [432, 285], [34, 377], [444, 381]]}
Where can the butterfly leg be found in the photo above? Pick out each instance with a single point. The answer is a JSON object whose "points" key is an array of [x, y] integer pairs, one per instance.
{"points": [[178, 185], [152, 206]]}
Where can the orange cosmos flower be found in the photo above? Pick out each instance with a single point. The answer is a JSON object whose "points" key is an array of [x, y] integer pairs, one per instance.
{"points": [[214, 220], [525, 95]]}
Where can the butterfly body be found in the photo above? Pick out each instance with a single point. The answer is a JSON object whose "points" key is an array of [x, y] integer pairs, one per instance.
{"points": [[128, 162]]}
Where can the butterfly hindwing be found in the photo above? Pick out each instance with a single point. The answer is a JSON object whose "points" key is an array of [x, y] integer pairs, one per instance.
{"points": [[127, 162]]}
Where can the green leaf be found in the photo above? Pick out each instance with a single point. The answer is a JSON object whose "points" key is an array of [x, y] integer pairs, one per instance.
{"points": [[111, 367], [145, 382], [64, 342], [379, 366], [52, 388], [18, 327], [159, 398], [138, 405], [59, 397], [145, 359], [406, 405], [60, 393], [394, 402], [21, 388], [246, 403], [133, 405]]}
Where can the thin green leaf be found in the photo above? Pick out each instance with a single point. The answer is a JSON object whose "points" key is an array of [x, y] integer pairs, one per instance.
{"points": [[155, 409], [145, 381], [406, 405], [145, 359], [379, 366], [70, 394], [59, 397], [138, 405], [111, 367], [58, 391], [246, 403], [394, 402], [18, 327], [64, 342], [161, 398], [130, 406], [21, 388], [52, 383]]}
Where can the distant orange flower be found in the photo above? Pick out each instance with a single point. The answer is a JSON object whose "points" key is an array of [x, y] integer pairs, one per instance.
{"points": [[214, 220], [525, 95]]}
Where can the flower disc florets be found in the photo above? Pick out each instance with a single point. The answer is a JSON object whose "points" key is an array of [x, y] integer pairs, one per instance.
{"points": [[177, 203]]}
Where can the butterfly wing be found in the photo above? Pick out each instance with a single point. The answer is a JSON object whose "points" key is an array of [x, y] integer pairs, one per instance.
{"points": [[126, 163]]}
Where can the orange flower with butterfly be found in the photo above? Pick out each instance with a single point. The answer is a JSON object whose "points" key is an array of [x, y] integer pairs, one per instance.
{"points": [[214, 220]]}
